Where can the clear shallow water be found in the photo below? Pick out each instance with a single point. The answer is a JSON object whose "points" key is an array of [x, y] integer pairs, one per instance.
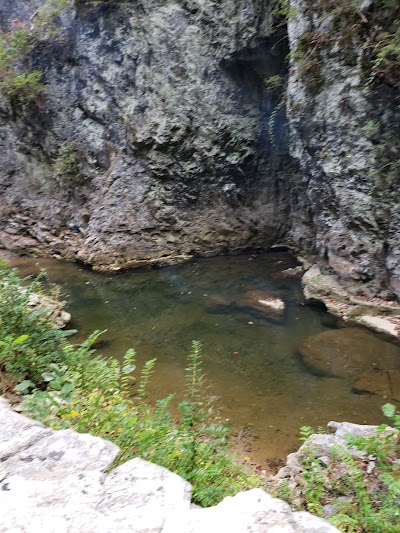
{"points": [[265, 391]]}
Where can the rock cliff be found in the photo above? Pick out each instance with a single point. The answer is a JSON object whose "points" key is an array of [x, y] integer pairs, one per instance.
{"points": [[156, 136], [343, 107], [163, 107]]}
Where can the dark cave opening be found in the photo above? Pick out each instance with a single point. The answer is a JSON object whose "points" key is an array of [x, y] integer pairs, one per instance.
{"points": [[260, 75]]}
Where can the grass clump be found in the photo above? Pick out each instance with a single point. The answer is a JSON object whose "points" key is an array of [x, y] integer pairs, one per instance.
{"points": [[67, 164], [15, 85], [68, 386], [20, 84]]}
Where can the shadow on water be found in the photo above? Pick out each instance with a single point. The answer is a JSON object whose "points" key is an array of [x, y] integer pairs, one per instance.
{"points": [[252, 364]]}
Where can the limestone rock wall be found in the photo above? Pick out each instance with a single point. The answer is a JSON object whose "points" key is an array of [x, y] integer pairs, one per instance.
{"points": [[179, 147]]}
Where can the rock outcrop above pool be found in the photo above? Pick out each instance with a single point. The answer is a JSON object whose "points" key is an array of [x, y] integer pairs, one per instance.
{"points": [[344, 134], [58, 481], [374, 313], [163, 109]]}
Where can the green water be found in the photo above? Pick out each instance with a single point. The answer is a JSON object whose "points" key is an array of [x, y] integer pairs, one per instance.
{"points": [[264, 390]]}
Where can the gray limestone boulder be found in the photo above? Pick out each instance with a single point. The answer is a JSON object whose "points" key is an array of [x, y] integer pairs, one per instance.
{"points": [[58, 481], [254, 511]]}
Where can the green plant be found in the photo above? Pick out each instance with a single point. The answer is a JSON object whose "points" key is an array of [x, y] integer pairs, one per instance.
{"points": [[43, 342], [370, 127], [66, 165], [274, 83], [389, 410], [385, 54], [282, 491], [17, 86], [363, 508], [95, 395], [284, 10], [24, 87], [312, 474], [44, 20]]}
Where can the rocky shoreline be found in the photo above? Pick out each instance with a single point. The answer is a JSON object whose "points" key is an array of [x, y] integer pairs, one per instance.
{"points": [[346, 303]]}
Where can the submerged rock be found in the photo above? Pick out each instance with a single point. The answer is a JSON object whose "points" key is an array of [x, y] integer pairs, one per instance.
{"points": [[293, 273], [218, 304], [263, 304], [386, 383], [347, 352]]}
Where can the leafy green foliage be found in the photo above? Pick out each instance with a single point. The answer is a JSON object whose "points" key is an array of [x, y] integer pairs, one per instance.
{"points": [[66, 165], [18, 84], [362, 508], [373, 33], [284, 10], [29, 339], [24, 87], [96, 395], [14, 85], [274, 83], [385, 51]]}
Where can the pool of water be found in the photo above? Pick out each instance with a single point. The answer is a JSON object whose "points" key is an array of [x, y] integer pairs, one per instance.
{"points": [[252, 364]]}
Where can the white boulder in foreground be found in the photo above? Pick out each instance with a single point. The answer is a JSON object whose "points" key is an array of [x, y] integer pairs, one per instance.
{"points": [[54, 481]]}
